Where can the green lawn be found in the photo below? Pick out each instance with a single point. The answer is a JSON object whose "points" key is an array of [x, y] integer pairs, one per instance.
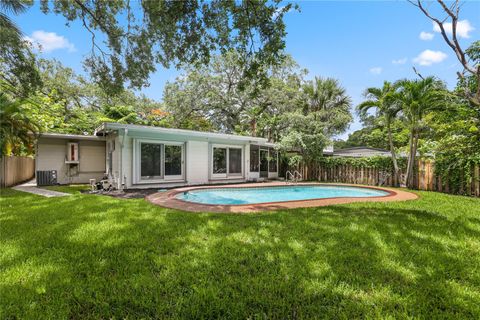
{"points": [[88, 256]]}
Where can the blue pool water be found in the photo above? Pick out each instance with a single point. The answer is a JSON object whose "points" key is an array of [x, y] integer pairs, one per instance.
{"points": [[229, 196]]}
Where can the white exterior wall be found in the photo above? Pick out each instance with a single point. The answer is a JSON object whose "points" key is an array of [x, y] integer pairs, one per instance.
{"points": [[197, 162], [273, 175], [196, 158], [52, 152], [127, 161], [115, 173]]}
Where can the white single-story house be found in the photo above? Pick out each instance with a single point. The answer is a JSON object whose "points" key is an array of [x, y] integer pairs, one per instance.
{"points": [[135, 156], [361, 152]]}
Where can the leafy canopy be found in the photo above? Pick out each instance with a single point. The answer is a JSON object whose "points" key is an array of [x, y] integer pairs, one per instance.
{"points": [[17, 62], [139, 35], [324, 111]]}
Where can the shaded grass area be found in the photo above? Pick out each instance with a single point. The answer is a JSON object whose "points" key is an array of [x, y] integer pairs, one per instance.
{"points": [[73, 189], [89, 256]]}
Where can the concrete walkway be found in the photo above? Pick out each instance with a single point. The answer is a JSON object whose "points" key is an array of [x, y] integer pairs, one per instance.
{"points": [[31, 187]]}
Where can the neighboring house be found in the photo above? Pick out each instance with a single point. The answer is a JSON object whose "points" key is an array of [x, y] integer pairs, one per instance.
{"points": [[361, 152], [134, 156]]}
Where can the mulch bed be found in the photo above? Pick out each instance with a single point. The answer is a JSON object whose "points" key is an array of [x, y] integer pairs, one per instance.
{"points": [[127, 194]]}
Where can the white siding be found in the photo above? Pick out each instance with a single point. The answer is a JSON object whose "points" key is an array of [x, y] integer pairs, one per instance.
{"points": [[115, 174], [197, 162], [197, 159], [273, 175], [127, 160]]}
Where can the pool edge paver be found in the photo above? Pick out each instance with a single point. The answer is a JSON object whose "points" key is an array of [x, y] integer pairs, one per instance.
{"points": [[40, 192], [168, 200]]}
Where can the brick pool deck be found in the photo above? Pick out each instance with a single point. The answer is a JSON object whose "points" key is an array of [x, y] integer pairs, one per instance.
{"points": [[167, 199]]}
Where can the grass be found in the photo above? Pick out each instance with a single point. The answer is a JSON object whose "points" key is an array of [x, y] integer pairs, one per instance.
{"points": [[73, 189], [87, 256]]}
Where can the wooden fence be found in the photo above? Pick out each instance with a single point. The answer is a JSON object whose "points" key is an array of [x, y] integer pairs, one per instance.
{"points": [[347, 174], [424, 177], [14, 170], [427, 180]]}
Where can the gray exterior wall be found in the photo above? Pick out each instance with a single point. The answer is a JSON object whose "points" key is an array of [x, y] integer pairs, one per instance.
{"points": [[52, 152]]}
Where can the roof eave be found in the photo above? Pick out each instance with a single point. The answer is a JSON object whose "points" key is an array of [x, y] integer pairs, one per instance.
{"points": [[112, 125]]}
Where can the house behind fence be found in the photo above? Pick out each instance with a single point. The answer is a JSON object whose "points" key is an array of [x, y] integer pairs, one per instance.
{"points": [[15, 170]]}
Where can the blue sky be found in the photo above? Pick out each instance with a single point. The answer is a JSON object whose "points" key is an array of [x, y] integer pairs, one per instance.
{"points": [[361, 43]]}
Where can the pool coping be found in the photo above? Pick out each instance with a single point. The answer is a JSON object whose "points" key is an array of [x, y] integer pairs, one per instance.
{"points": [[168, 198]]}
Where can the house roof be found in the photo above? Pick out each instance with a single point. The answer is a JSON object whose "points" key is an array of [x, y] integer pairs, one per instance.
{"points": [[70, 136], [107, 126], [361, 152]]}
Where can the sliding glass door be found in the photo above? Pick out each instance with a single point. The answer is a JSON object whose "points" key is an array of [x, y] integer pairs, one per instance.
{"points": [[235, 161], [173, 160], [151, 161], [254, 158], [219, 160], [263, 163], [227, 162], [158, 161]]}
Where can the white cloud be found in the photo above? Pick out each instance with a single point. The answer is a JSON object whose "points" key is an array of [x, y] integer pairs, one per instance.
{"points": [[376, 70], [49, 41], [463, 28], [426, 36], [400, 61], [429, 57]]}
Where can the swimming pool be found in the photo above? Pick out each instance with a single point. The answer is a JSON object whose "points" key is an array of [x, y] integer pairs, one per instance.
{"points": [[242, 196]]}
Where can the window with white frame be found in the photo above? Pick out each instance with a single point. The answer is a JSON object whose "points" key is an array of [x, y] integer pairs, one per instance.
{"points": [[227, 161], [159, 161]]}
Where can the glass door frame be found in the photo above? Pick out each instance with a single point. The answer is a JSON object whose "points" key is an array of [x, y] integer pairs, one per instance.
{"points": [[263, 173]]}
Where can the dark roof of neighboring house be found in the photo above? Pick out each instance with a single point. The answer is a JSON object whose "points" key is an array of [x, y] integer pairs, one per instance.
{"points": [[360, 152]]}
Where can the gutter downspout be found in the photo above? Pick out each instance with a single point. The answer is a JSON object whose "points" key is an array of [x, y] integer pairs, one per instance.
{"points": [[121, 178]]}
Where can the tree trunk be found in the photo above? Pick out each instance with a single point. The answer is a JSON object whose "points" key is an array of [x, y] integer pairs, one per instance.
{"points": [[409, 160], [253, 128], [394, 157], [412, 157]]}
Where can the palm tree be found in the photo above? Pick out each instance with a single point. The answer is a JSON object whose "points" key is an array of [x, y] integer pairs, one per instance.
{"points": [[385, 102], [6, 24], [18, 66], [329, 102], [418, 97], [16, 128], [325, 93]]}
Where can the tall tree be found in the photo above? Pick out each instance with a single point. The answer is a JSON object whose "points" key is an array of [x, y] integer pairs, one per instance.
{"points": [[323, 112], [68, 103], [17, 62], [385, 102], [141, 34], [417, 98], [216, 92], [16, 128], [470, 66]]}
